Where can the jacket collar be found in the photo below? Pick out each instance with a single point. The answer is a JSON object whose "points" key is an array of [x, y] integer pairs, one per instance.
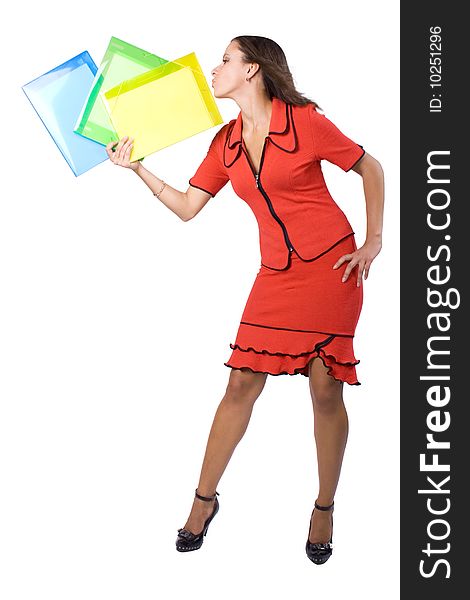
{"points": [[281, 132]]}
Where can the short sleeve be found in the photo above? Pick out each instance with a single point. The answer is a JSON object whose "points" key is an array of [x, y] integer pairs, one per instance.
{"points": [[211, 175], [331, 144]]}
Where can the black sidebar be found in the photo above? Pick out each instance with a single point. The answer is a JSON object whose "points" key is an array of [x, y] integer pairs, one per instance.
{"points": [[435, 266]]}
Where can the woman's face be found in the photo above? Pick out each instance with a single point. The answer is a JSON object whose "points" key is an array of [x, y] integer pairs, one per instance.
{"points": [[230, 76]]}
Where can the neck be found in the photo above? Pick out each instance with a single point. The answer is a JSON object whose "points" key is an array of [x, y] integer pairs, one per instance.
{"points": [[256, 113]]}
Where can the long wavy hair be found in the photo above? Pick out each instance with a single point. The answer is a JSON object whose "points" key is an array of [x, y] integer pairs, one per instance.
{"points": [[277, 78]]}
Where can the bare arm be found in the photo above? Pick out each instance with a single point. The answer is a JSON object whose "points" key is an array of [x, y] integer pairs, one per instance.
{"points": [[373, 180], [185, 205]]}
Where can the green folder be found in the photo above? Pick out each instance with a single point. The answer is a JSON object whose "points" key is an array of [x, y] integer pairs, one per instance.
{"points": [[121, 61]]}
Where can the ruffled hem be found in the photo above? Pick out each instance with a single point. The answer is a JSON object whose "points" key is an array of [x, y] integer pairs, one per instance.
{"points": [[270, 354]]}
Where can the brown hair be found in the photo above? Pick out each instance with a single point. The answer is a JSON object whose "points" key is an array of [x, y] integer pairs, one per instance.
{"points": [[277, 78]]}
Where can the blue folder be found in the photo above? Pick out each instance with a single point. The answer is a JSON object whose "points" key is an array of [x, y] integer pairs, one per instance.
{"points": [[58, 97]]}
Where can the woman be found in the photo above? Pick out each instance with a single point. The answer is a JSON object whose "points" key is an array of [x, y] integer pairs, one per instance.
{"points": [[302, 311]]}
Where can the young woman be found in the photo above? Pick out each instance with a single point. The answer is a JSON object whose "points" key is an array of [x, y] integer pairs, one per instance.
{"points": [[302, 311]]}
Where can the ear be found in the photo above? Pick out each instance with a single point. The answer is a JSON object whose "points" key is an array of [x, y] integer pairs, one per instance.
{"points": [[252, 70]]}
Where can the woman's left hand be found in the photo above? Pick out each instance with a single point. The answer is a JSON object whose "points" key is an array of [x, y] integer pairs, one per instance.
{"points": [[362, 257]]}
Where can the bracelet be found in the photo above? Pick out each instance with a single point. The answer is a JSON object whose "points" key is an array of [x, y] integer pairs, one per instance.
{"points": [[161, 190]]}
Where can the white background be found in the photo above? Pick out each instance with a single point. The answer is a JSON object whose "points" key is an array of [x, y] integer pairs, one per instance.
{"points": [[116, 319]]}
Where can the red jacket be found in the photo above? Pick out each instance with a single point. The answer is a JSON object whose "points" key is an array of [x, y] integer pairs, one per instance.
{"points": [[288, 196]]}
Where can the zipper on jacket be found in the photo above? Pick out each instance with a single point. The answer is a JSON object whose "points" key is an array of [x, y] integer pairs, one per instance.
{"points": [[266, 197]]}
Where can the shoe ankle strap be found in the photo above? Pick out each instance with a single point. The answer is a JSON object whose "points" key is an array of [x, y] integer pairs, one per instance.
{"points": [[324, 507], [206, 498]]}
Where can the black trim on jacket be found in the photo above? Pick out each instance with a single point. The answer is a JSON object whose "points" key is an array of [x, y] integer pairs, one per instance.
{"points": [[202, 189], [361, 157]]}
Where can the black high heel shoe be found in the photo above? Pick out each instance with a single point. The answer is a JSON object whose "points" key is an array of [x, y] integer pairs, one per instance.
{"points": [[320, 552], [187, 540]]}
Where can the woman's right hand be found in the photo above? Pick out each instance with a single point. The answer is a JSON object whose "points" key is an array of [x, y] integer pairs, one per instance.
{"points": [[120, 156]]}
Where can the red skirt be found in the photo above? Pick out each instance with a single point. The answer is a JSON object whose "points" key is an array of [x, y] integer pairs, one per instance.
{"points": [[303, 312]]}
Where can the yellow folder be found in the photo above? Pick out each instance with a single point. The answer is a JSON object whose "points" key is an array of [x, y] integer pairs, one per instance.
{"points": [[163, 106]]}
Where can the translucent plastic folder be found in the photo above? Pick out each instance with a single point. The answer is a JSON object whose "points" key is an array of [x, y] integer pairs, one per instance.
{"points": [[121, 61], [163, 106], [57, 97]]}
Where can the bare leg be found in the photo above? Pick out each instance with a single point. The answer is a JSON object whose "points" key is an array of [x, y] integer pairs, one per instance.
{"points": [[229, 425], [331, 432]]}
